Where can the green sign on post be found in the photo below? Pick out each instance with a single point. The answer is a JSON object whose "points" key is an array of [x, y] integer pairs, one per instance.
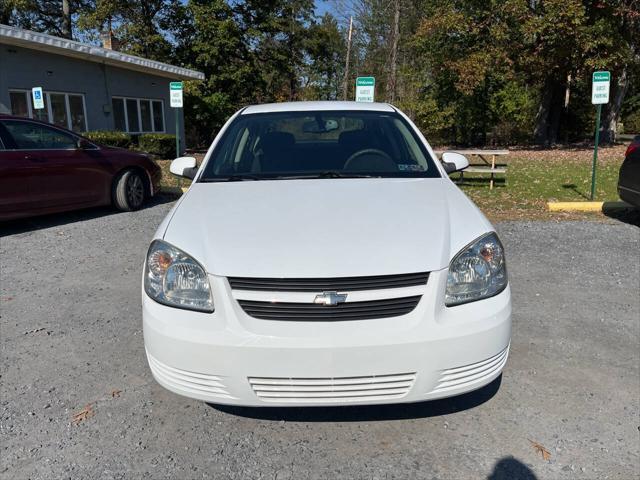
{"points": [[175, 100], [365, 89], [599, 95]]}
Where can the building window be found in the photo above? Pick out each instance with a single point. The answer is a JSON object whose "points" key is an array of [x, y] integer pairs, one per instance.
{"points": [[119, 117], [158, 116], [76, 111], [63, 109], [137, 115], [19, 104]]}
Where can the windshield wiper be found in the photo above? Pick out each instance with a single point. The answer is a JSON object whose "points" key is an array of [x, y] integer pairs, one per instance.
{"points": [[233, 178], [327, 174]]}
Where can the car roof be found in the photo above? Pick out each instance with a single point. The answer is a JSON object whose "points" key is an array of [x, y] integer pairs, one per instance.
{"points": [[5, 116], [318, 106]]}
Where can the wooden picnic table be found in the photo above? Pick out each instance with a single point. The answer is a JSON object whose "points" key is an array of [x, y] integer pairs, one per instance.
{"points": [[488, 158]]}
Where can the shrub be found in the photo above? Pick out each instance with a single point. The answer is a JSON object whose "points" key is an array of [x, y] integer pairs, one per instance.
{"points": [[632, 123], [162, 145], [110, 138]]}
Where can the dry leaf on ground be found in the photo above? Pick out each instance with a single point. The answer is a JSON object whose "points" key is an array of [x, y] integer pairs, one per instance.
{"points": [[84, 414], [34, 331], [115, 393], [546, 454]]}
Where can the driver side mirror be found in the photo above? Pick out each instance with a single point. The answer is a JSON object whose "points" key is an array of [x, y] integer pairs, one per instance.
{"points": [[184, 167], [454, 162]]}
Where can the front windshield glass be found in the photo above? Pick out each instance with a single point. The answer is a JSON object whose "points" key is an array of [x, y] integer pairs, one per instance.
{"points": [[331, 144]]}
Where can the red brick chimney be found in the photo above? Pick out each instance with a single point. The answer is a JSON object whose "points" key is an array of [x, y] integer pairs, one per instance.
{"points": [[109, 41]]}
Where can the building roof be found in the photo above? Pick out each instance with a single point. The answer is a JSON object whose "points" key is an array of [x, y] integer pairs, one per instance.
{"points": [[69, 48], [316, 106]]}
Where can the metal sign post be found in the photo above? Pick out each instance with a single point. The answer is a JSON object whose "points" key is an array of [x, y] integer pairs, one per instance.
{"points": [[175, 97], [599, 96]]}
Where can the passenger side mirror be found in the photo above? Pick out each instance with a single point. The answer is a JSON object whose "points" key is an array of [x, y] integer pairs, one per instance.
{"points": [[454, 162], [85, 144], [184, 167]]}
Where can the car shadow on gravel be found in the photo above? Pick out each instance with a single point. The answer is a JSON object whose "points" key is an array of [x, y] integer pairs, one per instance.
{"points": [[25, 225], [368, 413], [622, 212]]}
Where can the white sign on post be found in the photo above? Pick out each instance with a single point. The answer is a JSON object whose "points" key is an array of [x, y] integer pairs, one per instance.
{"points": [[175, 90], [600, 88], [38, 98], [365, 89]]}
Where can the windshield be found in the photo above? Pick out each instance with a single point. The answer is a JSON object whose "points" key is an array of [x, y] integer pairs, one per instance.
{"points": [[323, 144]]}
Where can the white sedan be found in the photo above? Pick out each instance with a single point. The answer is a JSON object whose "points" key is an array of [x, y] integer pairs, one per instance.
{"points": [[322, 256]]}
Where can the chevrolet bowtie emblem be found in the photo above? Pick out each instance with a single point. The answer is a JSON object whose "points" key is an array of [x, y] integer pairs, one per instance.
{"points": [[330, 299]]}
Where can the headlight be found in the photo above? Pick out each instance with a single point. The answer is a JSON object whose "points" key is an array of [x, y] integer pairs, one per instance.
{"points": [[478, 271], [174, 278]]}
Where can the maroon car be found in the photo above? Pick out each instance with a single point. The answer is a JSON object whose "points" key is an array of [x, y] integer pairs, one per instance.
{"points": [[46, 169]]}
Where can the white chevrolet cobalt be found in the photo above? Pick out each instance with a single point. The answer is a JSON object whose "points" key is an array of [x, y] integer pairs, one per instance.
{"points": [[322, 256]]}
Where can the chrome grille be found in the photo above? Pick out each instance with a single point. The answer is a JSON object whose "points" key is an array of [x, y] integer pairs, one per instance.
{"points": [[344, 284], [389, 307], [332, 390]]}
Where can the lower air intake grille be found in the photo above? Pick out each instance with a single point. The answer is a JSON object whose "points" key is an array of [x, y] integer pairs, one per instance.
{"points": [[341, 284], [332, 390], [390, 307], [475, 373]]}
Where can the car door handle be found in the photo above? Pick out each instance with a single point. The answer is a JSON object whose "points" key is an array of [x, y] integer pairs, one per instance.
{"points": [[33, 158]]}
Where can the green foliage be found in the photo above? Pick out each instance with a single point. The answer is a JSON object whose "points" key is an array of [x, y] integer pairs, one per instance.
{"points": [[468, 72], [512, 109], [110, 138], [631, 108], [326, 49], [39, 15], [138, 25], [632, 122], [162, 145]]}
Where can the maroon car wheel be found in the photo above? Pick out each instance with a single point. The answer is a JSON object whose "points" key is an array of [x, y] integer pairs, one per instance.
{"points": [[129, 191]]}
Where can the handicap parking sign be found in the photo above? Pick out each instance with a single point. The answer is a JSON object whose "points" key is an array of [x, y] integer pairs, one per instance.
{"points": [[38, 100]]}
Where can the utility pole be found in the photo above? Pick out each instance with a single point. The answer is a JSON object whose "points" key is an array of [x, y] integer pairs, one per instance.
{"points": [[345, 82], [391, 84]]}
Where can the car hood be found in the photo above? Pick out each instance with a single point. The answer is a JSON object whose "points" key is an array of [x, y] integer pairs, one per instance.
{"points": [[324, 227]]}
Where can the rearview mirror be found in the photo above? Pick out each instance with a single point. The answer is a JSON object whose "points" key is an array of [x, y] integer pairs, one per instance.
{"points": [[319, 126], [454, 162], [184, 167]]}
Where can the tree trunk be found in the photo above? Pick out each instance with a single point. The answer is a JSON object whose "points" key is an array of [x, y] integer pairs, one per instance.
{"points": [[550, 111], [391, 84], [541, 130], [612, 109], [66, 19]]}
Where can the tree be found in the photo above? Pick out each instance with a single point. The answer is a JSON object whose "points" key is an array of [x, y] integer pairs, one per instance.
{"points": [[139, 25], [614, 44], [209, 39], [48, 16], [325, 51], [275, 31]]}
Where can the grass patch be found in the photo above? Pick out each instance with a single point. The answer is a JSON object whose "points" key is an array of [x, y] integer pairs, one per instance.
{"points": [[534, 178]]}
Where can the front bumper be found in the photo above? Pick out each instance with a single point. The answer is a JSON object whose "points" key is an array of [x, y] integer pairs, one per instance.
{"points": [[228, 357]]}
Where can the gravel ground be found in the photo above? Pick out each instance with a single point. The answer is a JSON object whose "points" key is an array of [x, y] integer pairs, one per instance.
{"points": [[71, 337]]}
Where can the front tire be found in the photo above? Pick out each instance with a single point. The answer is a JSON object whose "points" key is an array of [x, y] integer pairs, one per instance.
{"points": [[128, 191]]}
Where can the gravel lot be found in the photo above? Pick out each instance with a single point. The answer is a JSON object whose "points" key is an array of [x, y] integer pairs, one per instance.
{"points": [[71, 336]]}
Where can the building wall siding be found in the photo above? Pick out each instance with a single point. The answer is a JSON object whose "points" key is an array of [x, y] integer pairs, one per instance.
{"points": [[22, 68]]}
